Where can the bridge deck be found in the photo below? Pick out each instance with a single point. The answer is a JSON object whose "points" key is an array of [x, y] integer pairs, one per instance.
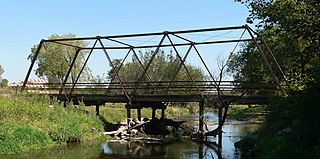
{"points": [[93, 99]]}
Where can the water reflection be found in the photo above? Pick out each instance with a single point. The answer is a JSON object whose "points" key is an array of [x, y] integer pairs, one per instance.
{"points": [[181, 149], [184, 149]]}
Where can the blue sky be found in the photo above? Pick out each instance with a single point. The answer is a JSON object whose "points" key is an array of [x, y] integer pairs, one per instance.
{"points": [[25, 23]]}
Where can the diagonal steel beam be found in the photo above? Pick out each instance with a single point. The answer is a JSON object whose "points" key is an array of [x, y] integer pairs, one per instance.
{"points": [[32, 63], [117, 75], [144, 69], [149, 63], [266, 62], [216, 84], [118, 69], [69, 71], [84, 65], [183, 64]]}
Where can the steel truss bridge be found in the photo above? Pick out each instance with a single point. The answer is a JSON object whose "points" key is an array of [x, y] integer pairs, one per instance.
{"points": [[145, 91]]}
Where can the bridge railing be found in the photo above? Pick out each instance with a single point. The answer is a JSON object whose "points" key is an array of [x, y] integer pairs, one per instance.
{"points": [[163, 87]]}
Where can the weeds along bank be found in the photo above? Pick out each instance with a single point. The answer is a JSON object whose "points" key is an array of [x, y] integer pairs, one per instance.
{"points": [[28, 122]]}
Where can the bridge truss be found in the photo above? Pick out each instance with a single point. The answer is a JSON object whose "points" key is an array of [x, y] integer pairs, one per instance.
{"points": [[167, 39], [145, 91]]}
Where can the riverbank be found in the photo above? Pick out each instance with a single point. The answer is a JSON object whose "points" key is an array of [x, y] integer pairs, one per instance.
{"points": [[290, 129], [255, 113], [30, 122]]}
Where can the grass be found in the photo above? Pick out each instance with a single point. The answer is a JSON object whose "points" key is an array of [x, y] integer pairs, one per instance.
{"points": [[116, 113], [28, 123], [245, 113]]}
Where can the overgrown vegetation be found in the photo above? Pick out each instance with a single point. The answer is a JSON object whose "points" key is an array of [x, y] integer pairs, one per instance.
{"points": [[291, 29], [28, 122]]}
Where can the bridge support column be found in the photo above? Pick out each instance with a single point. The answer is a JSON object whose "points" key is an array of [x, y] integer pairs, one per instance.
{"points": [[154, 113], [128, 115], [220, 131], [139, 114], [162, 113], [97, 110], [201, 112]]}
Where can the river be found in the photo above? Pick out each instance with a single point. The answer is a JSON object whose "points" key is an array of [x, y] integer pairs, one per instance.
{"points": [[184, 149]]}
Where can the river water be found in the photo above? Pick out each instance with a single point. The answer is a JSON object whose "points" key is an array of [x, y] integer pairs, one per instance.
{"points": [[184, 149]]}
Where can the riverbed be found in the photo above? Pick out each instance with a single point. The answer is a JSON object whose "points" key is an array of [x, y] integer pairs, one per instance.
{"points": [[184, 149]]}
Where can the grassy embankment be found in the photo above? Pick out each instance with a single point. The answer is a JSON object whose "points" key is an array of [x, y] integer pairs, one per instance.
{"points": [[27, 122]]}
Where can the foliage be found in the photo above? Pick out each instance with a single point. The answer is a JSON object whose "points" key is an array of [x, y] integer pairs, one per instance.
{"points": [[27, 123], [291, 30], [4, 83], [290, 27], [255, 113], [22, 138], [164, 67], [54, 60], [117, 113]]}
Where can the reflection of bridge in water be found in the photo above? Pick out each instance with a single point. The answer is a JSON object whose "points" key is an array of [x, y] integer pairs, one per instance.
{"points": [[147, 92]]}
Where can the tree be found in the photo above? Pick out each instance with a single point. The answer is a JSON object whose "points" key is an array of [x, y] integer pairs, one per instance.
{"points": [[4, 83], [162, 68], [291, 28], [54, 60]]}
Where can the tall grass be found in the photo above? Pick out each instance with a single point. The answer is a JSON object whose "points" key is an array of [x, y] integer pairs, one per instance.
{"points": [[29, 122]]}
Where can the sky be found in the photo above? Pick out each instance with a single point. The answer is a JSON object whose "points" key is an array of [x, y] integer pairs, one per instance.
{"points": [[25, 23]]}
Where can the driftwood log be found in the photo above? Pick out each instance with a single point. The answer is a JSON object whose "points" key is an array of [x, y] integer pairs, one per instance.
{"points": [[145, 127]]}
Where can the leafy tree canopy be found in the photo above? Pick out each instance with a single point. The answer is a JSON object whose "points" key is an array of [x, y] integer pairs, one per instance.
{"points": [[54, 60], [164, 67], [291, 29]]}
